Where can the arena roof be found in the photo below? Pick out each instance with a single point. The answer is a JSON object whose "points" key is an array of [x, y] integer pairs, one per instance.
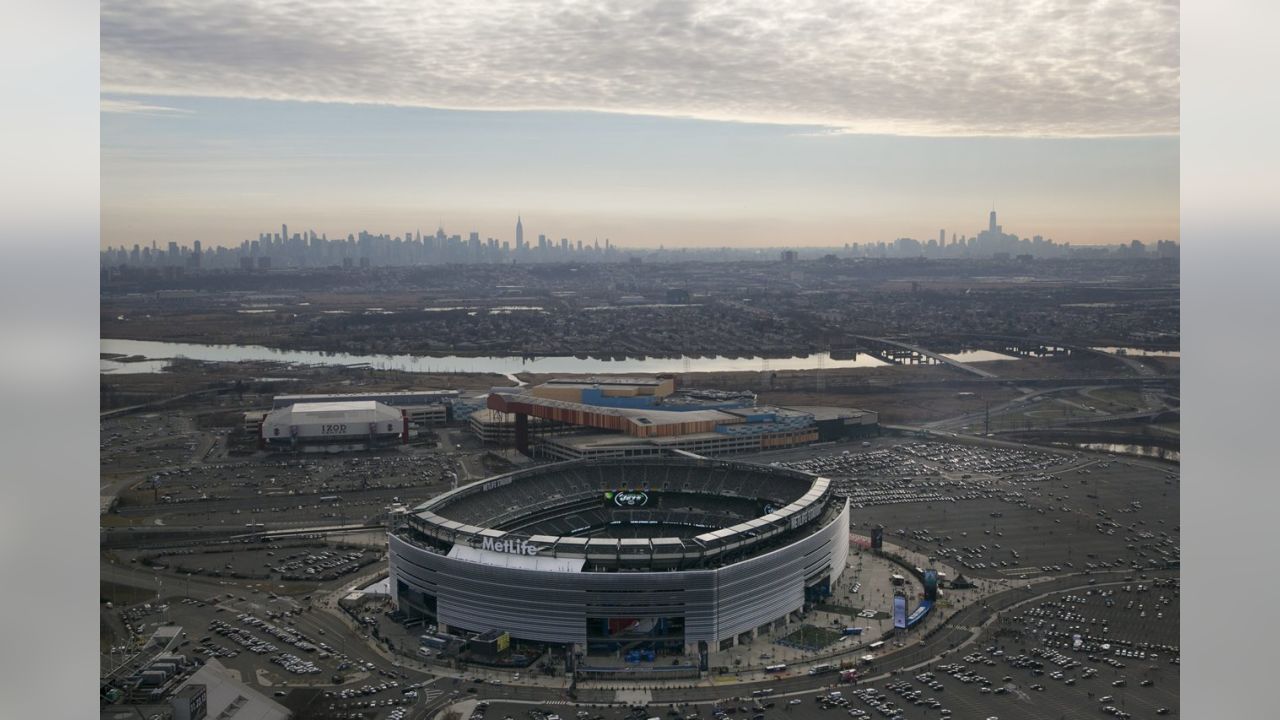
{"points": [[355, 414], [396, 397], [351, 410], [334, 407]]}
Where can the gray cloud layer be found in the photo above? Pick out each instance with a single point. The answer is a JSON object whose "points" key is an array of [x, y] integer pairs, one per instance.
{"points": [[927, 67]]}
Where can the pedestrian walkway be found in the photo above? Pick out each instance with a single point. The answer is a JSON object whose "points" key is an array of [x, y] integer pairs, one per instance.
{"points": [[638, 696]]}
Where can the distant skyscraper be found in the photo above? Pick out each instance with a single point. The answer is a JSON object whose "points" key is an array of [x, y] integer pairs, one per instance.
{"points": [[991, 225], [519, 233], [942, 238]]}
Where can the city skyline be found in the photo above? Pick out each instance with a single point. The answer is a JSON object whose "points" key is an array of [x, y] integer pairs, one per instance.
{"points": [[309, 249], [783, 124]]}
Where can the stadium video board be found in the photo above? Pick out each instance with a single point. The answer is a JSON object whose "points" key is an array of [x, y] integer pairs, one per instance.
{"points": [[900, 611], [626, 498]]}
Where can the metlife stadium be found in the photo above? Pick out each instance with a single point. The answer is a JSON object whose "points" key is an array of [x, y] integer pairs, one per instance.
{"points": [[679, 555]]}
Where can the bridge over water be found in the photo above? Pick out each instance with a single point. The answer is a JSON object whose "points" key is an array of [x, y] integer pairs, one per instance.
{"points": [[899, 352]]}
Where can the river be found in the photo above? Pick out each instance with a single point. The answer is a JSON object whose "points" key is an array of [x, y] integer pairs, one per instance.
{"points": [[158, 354], [1139, 352]]}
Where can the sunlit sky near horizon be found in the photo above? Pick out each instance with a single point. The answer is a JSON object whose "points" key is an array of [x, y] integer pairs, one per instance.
{"points": [[651, 123]]}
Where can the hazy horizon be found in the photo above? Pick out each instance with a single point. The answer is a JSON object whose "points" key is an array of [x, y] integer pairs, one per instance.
{"points": [[662, 123]]}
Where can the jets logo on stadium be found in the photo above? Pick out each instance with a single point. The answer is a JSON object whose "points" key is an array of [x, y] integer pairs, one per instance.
{"points": [[628, 499]]}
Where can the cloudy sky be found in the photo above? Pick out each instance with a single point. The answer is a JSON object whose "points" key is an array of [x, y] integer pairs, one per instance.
{"points": [[651, 122]]}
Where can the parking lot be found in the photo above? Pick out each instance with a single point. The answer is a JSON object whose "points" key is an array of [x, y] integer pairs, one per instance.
{"points": [[283, 644], [289, 560], [284, 492], [1010, 513]]}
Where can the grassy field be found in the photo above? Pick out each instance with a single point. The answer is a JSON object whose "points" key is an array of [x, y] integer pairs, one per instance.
{"points": [[809, 636]]}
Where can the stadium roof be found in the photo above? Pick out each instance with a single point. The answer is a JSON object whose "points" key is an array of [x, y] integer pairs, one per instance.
{"points": [[465, 519]]}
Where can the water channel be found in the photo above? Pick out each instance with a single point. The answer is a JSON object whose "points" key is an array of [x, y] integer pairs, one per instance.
{"points": [[157, 355]]}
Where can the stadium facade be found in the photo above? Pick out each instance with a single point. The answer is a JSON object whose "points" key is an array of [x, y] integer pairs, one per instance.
{"points": [[681, 555]]}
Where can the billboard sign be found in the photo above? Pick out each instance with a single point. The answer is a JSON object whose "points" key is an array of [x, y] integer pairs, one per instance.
{"points": [[877, 538], [900, 611], [495, 484], [805, 516], [511, 546], [931, 585]]}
